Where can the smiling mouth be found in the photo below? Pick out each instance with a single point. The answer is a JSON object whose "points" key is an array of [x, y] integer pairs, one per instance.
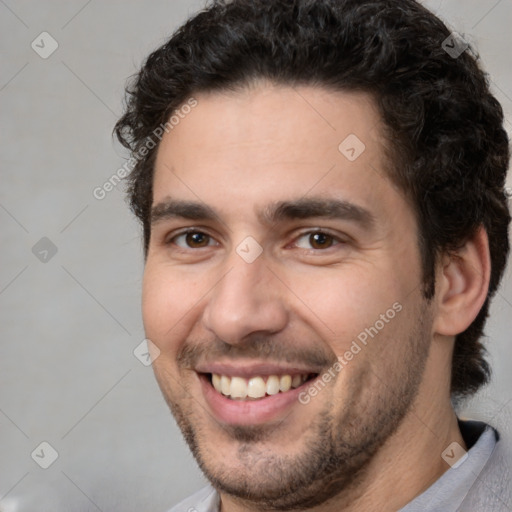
{"points": [[257, 387]]}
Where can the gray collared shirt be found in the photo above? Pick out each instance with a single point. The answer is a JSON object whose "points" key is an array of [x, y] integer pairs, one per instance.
{"points": [[449, 491]]}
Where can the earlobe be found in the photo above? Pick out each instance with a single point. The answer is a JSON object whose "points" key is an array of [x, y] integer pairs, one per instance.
{"points": [[462, 285]]}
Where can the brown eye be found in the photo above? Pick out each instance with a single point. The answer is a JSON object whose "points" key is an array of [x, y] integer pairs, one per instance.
{"points": [[320, 240], [316, 240], [197, 239], [192, 240]]}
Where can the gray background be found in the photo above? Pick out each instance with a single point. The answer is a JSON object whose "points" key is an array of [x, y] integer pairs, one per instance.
{"points": [[68, 375]]}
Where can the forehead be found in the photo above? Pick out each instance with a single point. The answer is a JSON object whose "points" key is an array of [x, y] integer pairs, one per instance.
{"points": [[268, 143]]}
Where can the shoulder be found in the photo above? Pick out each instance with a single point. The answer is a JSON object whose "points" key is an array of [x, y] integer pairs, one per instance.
{"points": [[481, 482], [205, 500], [492, 491]]}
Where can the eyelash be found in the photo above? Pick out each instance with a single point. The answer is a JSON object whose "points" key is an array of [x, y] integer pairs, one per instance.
{"points": [[335, 239]]}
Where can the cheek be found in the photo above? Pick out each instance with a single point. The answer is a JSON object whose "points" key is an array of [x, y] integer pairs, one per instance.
{"points": [[155, 297], [167, 304], [362, 315], [343, 302]]}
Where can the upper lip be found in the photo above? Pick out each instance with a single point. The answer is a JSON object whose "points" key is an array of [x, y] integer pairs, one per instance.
{"points": [[231, 369]]}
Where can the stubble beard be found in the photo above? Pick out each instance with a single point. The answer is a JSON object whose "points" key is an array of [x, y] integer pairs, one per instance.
{"points": [[336, 450]]}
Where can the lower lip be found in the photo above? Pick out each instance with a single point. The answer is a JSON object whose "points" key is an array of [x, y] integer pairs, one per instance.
{"points": [[250, 412]]}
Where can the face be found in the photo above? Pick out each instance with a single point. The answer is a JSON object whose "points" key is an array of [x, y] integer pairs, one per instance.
{"points": [[282, 289]]}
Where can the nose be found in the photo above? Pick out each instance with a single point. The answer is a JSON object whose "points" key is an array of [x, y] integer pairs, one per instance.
{"points": [[247, 300]]}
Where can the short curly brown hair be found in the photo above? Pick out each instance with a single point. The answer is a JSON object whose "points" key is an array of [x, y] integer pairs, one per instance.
{"points": [[445, 128]]}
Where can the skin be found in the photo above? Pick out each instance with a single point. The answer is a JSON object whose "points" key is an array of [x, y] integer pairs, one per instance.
{"points": [[386, 417]]}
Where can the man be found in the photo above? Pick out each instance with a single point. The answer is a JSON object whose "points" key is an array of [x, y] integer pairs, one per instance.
{"points": [[321, 187]]}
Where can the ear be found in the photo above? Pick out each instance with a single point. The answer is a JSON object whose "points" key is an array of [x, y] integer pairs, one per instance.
{"points": [[462, 284]]}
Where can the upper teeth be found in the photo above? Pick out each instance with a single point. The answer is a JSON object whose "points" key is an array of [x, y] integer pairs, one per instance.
{"points": [[256, 387]]}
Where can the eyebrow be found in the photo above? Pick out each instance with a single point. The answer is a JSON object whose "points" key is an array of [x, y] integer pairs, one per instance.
{"points": [[303, 208], [172, 208], [306, 208]]}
